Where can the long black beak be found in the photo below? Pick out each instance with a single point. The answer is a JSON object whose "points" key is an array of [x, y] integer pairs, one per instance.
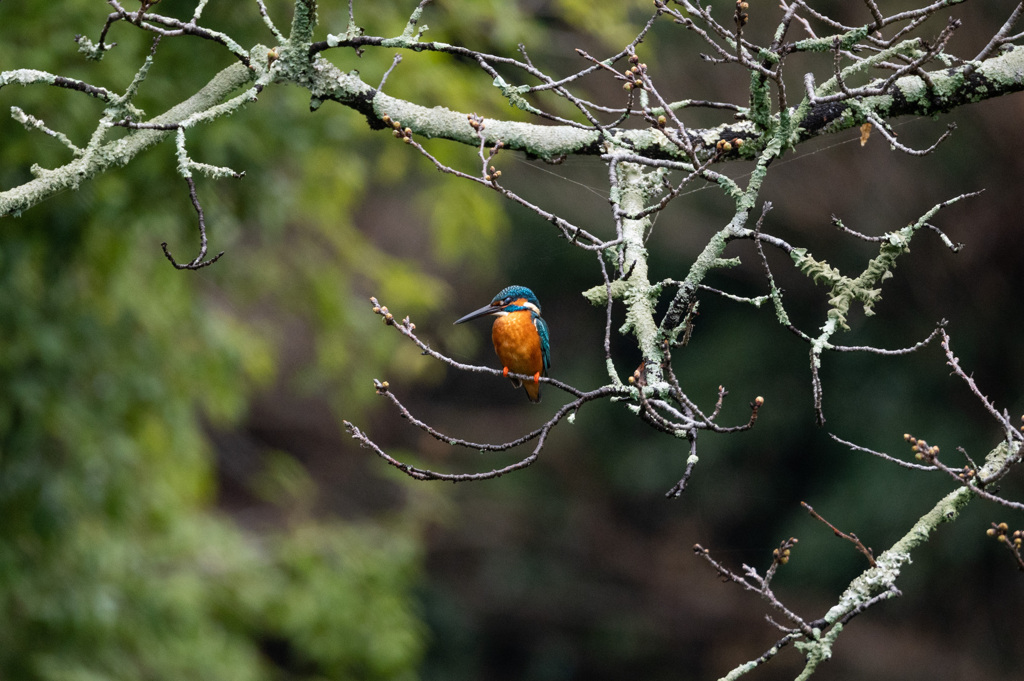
{"points": [[482, 312]]}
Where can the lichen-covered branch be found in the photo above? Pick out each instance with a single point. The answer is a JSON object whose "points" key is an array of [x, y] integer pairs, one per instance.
{"points": [[102, 156]]}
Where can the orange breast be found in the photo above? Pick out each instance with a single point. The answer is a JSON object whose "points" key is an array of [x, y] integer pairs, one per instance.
{"points": [[517, 343]]}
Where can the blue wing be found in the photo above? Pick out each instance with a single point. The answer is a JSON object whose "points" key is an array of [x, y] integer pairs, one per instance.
{"points": [[545, 344]]}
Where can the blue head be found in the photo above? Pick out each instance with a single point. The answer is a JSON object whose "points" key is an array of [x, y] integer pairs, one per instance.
{"points": [[509, 299], [508, 296]]}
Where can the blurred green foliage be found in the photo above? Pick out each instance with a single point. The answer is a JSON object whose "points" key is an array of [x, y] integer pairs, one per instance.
{"points": [[114, 563]]}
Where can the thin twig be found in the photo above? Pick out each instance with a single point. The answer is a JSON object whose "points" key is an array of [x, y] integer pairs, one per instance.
{"points": [[197, 262], [839, 533]]}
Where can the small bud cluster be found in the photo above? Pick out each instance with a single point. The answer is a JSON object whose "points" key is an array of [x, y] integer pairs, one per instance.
{"points": [[780, 556], [638, 376], [741, 13], [1002, 534], [477, 123], [922, 452], [727, 145], [635, 74], [1011, 540], [406, 324], [1022, 419], [405, 134], [388, 318]]}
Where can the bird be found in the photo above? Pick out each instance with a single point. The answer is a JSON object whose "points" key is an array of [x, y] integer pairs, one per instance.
{"points": [[520, 336]]}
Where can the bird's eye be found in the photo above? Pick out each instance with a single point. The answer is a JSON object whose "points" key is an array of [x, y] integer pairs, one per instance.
{"points": [[507, 300]]}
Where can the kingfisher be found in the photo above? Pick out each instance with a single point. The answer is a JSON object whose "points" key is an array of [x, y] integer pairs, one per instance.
{"points": [[519, 335]]}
